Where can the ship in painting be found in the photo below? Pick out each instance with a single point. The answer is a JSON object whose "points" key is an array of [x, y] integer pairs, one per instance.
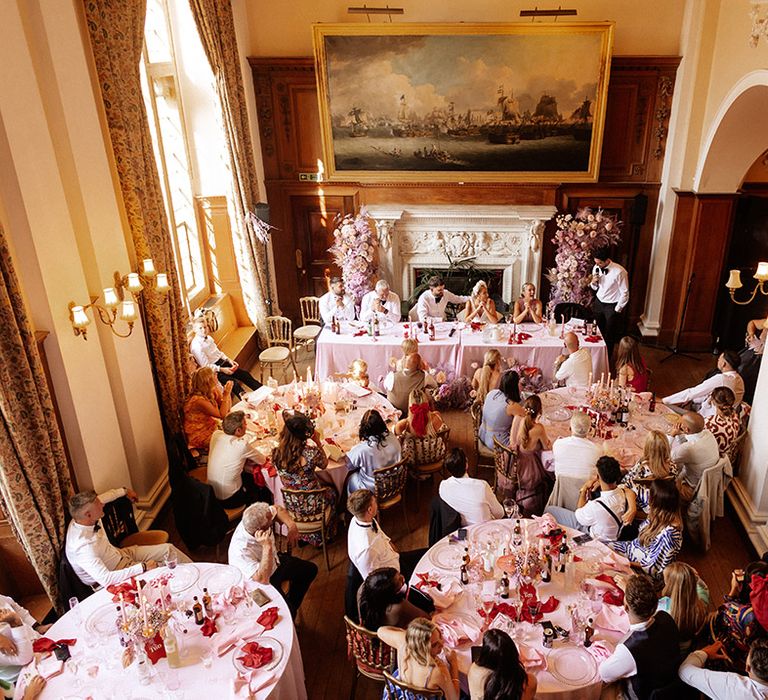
{"points": [[503, 127], [359, 127]]}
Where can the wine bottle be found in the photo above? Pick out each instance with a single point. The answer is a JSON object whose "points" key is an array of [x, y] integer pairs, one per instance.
{"points": [[207, 603], [464, 573], [376, 330], [432, 329], [517, 535], [504, 586], [652, 403], [171, 648], [197, 610]]}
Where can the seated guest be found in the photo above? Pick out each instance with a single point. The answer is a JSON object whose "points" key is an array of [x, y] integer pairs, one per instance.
{"points": [[499, 407], [528, 307], [421, 421], [230, 456], [630, 366], [487, 377], [721, 685], [601, 517], [17, 634], [686, 598], [693, 447], [750, 357], [649, 657], [207, 354], [576, 455], [432, 303], [336, 303], [409, 346], [399, 385], [419, 664], [381, 600], [529, 438], [698, 396], [656, 463], [498, 673], [205, 405], [472, 499], [358, 373], [661, 535], [481, 308], [381, 301], [94, 559], [725, 424], [575, 365], [296, 459], [253, 551], [377, 449], [736, 622]]}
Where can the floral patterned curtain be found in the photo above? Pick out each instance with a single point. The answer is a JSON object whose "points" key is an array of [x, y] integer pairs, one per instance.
{"points": [[216, 26], [34, 475], [116, 28]]}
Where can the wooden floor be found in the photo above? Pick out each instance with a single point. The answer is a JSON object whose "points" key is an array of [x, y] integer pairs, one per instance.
{"points": [[320, 623]]}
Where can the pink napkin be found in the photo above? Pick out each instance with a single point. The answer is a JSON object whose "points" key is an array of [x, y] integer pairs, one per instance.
{"points": [[599, 651], [444, 596], [531, 658], [612, 618], [456, 630]]}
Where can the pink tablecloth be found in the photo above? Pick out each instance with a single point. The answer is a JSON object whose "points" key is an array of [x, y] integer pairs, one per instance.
{"points": [[540, 351], [107, 679], [335, 353]]}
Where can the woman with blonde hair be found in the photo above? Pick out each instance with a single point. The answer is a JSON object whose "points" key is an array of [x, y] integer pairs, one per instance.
{"points": [[686, 598], [656, 463], [419, 665], [530, 438], [528, 307], [206, 405], [725, 424], [480, 307], [487, 377], [421, 420], [409, 346], [630, 366]]}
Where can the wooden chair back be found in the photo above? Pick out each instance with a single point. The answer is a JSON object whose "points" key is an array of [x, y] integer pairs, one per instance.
{"points": [[310, 310], [372, 657], [279, 331], [505, 462], [306, 506], [400, 689], [426, 450], [389, 482]]}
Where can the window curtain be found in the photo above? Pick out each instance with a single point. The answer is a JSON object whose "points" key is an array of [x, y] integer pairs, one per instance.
{"points": [[34, 474], [116, 29], [216, 26]]}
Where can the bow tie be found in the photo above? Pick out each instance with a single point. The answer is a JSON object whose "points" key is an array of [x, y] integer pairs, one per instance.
{"points": [[373, 525], [604, 270], [97, 527]]}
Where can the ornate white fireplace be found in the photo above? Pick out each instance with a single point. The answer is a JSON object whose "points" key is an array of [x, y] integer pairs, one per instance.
{"points": [[496, 237]]}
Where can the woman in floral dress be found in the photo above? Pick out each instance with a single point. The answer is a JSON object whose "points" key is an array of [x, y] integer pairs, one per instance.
{"points": [[298, 454]]}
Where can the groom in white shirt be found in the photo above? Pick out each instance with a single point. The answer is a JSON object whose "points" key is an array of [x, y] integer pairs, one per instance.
{"points": [[611, 282], [432, 303], [471, 498]]}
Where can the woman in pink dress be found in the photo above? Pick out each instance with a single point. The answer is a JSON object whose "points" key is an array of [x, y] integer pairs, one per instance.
{"points": [[630, 366], [530, 438]]}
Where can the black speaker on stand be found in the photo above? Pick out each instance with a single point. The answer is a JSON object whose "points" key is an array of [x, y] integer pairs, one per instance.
{"points": [[262, 212], [674, 351]]}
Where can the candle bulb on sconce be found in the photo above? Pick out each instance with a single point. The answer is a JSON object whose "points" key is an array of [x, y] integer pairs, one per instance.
{"points": [[148, 268], [133, 282], [162, 283], [110, 298], [128, 312], [79, 319]]}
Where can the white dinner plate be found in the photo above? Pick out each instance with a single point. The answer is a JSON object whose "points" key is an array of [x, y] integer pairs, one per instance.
{"points": [[220, 579], [572, 665], [558, 414], [446, 556], [102, 621], [490, 530], [271, 642], [550, 400], [184, 576]]}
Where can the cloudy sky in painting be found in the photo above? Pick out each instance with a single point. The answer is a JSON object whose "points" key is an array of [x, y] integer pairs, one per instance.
{"points": [[431, 71]]}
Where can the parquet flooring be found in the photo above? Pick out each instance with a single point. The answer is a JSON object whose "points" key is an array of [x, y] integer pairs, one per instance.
{"points": [[320, 624]]}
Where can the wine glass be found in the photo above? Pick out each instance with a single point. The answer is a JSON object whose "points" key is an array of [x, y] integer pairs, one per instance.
{"points": [[487, 601], [171, 559], [74, 604], [511, 509]]}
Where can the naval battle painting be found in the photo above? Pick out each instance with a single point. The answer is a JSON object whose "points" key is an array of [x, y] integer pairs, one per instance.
{"points": [[462, 102]]}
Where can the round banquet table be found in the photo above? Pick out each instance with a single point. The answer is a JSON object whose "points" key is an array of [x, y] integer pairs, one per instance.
{"points": [[625, 444], [442, 562], [96, 654], [338, 429]]}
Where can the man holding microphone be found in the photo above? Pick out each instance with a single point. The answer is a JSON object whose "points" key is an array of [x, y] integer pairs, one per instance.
{"points": [[611, 284]]}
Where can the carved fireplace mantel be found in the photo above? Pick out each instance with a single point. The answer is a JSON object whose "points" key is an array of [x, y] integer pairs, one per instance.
{"points": [[496, 237]]}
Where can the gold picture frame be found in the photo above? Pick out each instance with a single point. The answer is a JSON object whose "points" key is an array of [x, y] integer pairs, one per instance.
{"points": [[462, 102]]}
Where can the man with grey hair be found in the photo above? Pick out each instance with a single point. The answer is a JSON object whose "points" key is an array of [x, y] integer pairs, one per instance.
{"points": [[253, 551], [95, 560], [231, 461], [336, 303], [693, 446], [381, 302], [575, 456]]}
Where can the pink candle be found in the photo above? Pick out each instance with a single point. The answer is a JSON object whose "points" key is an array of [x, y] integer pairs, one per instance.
{"points": [[122, 608], [144, 610]]}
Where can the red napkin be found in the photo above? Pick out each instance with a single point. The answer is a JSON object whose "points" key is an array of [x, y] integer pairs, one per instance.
{"points": [[615, 596], [209, 627], [475, 326], [155, 649], [362, 331], [593, 338], [425, 582], [505, 608], [254, 655], [331, 441], [45, 645], [127, 588], [268, 618], [549, 605]]}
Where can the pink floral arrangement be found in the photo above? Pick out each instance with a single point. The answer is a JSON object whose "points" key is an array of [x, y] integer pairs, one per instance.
{"points": [[453, 391], [531, 378], [577, 238], [355, 251]]}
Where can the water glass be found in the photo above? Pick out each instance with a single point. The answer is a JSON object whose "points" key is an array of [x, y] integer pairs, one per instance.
{"points": [[171, 559], [74, 606]]}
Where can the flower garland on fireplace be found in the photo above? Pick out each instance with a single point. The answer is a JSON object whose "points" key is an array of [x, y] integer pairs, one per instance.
{"points": [[577, 238], [355, 251]]}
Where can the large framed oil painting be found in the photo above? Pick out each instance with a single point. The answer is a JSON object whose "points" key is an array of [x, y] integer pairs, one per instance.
{"points": [[462, 102]]}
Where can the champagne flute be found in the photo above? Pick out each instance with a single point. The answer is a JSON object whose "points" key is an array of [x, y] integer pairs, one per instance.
{"points": [[487, 601]]}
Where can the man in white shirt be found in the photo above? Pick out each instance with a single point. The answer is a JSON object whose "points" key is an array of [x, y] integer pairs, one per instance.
{"points": [[336, 303], [228, 458], [693, 447], [610, 281], [472, 499], [381, 301], [207, 354], [648, 658], [603, 516], [697, 397], [574, 366], [575, 455], [720, 685], [432, 303], [95, 560], [253, 551]]}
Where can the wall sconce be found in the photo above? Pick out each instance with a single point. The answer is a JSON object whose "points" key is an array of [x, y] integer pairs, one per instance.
{"points": [[734, 283], [115, 307]]}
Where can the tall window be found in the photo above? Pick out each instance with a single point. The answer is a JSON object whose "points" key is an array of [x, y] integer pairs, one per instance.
{"points": [[166, 122]]}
